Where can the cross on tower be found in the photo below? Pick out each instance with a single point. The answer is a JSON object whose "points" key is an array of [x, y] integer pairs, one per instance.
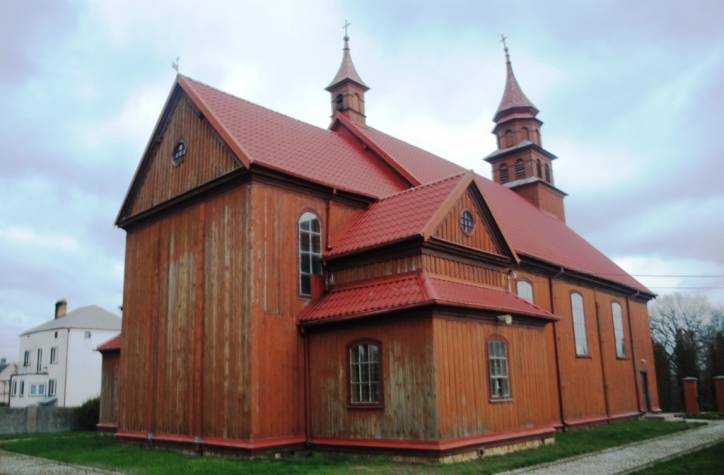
{"points": [[505, 46], [346, 25]]}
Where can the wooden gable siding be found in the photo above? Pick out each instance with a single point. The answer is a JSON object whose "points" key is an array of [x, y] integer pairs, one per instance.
{"points": [[463, 386], [110, 380], [644, 352], [482, 238], [277, 358], [208, 157], [185, 360], [410, 409]]}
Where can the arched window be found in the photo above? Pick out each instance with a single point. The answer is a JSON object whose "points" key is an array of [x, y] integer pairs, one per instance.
{"points": [[519, 169], [503, 171], [498, 368], [310, 251], [365, 377], [526, 133], [339, 101], [538, 169], [508, 138], [618, 335], [579, 324], [524, 289], [548, 173]]}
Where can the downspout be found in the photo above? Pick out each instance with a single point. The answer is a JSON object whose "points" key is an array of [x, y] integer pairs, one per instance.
{"points": [[600, 354], [307, 406], [555, 347], [633, 352]]}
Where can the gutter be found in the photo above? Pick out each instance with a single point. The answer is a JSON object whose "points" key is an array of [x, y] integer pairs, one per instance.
{"points": [[633, 350], [600, 354], [559, 385]]}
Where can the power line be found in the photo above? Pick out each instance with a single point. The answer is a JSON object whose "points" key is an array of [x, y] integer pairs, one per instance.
{"points": [[684, 288]]}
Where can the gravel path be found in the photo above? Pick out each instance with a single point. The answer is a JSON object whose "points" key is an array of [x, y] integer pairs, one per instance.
{"points": [[18, 464], [632, 457]]}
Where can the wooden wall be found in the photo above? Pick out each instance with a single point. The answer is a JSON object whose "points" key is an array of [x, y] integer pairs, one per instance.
{"points": [[482, 237], [643, 349], [410, 409], [208, 157], [463, 384], [110, 380], [185, 360]]}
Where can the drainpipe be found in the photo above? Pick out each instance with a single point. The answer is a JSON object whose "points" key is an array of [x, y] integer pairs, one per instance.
{"points": [[555, 347], [633, 351], [307, 388], [600, 355]]}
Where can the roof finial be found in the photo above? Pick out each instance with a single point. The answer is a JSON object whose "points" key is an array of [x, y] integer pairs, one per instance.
{"points": [[176, 65], [346, 34], [505, 47]]}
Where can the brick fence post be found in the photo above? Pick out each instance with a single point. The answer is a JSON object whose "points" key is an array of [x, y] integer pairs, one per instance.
{"points": [[719, 392], [691, 396]]}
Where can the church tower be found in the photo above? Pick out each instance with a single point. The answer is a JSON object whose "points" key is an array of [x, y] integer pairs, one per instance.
{"points": [[520, 162], [347, 88]]}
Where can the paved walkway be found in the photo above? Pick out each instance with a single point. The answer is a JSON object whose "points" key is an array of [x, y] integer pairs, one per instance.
{"points": [[632, 457], [18, 464]]}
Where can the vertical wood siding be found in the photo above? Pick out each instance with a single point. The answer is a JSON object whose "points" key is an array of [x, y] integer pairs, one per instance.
{"points": [[482, 238], [207, 158], [644, 351], [377, 269], [463, 384], [460, 270], [110, 380], [409, 412]]}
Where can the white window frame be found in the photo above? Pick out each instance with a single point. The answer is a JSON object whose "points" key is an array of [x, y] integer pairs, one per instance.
{"points": [[52, 387], [53, 355], [498, 369], [524, 290], [22, 388], [310, 261], [41, 389], [33, 390], [580, 334], [14, 388], [365, 373], [26, 359], [39, 363], [619, 335]]}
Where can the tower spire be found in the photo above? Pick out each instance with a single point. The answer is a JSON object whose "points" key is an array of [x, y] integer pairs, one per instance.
{"points": [[347, 88], [514, 100]]}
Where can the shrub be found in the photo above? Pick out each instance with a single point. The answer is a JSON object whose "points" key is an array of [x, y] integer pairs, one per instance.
{"points": [[87, 415]]}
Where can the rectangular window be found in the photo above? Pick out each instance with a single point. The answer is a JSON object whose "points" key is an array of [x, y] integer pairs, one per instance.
{"points": [[39, 363], [51, 388], [364, 371], [618, 335], [498, 367], [22, 388], [87, 334], [54, 355], [579, 325], [41, 389], [14, 390], [33, 389], [26, 358]]}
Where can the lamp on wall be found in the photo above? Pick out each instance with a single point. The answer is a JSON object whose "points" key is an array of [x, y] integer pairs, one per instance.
{"points": [[507, 319]]}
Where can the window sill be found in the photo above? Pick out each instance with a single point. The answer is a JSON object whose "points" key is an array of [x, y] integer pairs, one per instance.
{"points": [[500, 400], [622, 358], [366, 406], [584, 357]]}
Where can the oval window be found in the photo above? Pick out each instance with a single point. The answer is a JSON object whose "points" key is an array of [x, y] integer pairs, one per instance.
{"points": [[466, 222], [179, 152]]}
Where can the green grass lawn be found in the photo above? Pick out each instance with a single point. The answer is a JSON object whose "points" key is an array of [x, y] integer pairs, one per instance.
{"points": [[707, 461], [87, 448]]}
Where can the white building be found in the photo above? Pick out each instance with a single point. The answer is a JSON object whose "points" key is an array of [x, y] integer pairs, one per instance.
{"points": [[7, 370], [58, 362]]}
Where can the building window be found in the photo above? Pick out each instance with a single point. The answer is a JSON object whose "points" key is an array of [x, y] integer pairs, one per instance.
{"points": [[519, 169], [526, 133], [179, 152], [39, 363], [310, 251], [538, 169], [503, 171], [498, 367], [467, 223], [26, 358], [22, 388], [618, 335], [51, 387], [41, 389], [365, 385], [55, 335], [548, 173], [87, 334], [14, 390], [339, 102], [508, 138], [579, 324], [33, 389], [54, 355], [525, 290]]}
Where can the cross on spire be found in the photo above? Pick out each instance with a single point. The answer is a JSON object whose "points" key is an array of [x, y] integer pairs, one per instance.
{"points": [[505, 47], [346, 33]]}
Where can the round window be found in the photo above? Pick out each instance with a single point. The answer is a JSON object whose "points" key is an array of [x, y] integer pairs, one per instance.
{"points": [[179, 152], [467, 223]]}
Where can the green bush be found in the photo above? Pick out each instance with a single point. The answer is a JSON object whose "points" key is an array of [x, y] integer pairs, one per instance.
{"points": [[87, 415]]}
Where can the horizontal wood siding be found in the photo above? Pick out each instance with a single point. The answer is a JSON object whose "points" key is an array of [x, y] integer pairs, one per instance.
{"points": [[208, 157], [463, 384], [110, 380], [409, 412], [482, 238]]}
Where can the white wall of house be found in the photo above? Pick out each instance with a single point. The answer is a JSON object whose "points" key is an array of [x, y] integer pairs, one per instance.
{"points": [[75, 372]]}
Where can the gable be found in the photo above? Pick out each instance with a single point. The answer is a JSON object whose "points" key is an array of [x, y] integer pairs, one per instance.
{"points": [[158, 178], [484, 236]]}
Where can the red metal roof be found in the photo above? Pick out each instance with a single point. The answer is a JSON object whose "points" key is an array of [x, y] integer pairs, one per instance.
{"points": [[347, 71], [396, 217], [114, 344], [513, 98], [413, 290]]}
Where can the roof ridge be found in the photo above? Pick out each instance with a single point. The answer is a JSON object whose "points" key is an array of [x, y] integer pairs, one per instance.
{"points": [[421, 186]]}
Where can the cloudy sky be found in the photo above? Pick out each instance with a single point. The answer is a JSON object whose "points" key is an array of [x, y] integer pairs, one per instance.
{"points": [[631, 94]]}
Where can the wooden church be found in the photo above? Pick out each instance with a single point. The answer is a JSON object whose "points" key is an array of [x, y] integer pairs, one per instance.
{"points": [[341, 289]]}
